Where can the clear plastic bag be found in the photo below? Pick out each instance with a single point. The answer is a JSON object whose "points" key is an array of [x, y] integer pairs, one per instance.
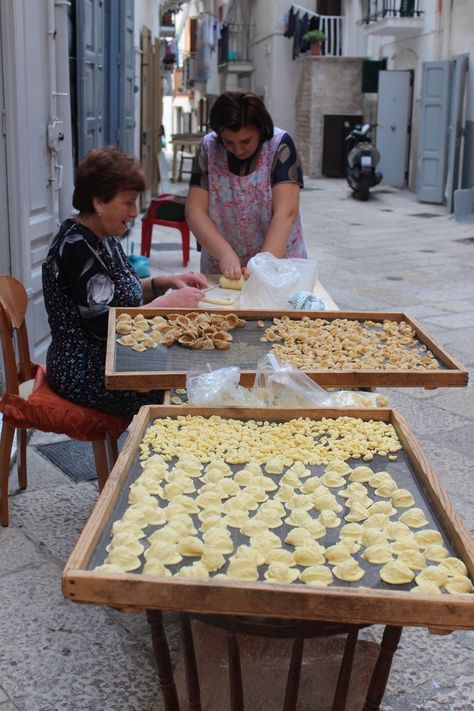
{"points": [[281, 385], [276, 385], [271, 282], [218, 388]]}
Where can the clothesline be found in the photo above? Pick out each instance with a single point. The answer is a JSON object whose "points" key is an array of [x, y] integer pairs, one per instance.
{"points": [[305, 10], [211, 14]]}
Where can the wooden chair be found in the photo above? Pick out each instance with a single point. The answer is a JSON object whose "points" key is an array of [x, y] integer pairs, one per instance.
{"points": [[262, 659], [30, 403], [166, 211]]}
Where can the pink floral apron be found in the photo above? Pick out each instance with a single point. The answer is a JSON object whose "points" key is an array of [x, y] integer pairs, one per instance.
{"points": [[241, 206]]}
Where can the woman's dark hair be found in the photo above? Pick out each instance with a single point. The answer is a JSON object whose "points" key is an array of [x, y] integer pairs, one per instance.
{"points": [[234, 109], [103, 173]]}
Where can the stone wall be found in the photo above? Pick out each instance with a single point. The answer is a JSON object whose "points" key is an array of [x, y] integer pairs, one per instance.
{"points": [[328, 85]]}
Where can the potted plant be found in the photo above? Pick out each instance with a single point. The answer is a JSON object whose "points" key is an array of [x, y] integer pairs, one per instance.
{"points": [[314, 37]]}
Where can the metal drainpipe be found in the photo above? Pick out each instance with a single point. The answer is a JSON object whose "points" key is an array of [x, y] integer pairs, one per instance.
{"points": [[55, 126], [65, 190], [52, 106]]}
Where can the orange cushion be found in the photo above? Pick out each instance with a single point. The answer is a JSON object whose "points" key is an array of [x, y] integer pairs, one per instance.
{"points": [[46, 411]]}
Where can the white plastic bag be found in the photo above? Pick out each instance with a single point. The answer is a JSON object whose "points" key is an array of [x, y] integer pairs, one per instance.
{"points": [[280, 385], [276, 385], [271, 282], [218, 388]]}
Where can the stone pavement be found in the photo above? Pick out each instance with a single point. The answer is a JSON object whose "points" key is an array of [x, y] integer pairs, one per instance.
{"points": [[391, 253]]}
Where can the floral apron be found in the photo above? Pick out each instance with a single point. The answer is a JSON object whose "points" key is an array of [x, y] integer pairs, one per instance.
{"points": [[241, 206]]}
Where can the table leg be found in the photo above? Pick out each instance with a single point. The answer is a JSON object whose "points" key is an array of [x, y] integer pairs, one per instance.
{"points": [[378, 682], [190, 665], [235, 674], [345, 670], [163, 660], [294, 674], [175, 160]]}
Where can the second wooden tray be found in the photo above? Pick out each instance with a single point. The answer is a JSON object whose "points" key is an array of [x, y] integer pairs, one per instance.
{"points": [[166, 367]]}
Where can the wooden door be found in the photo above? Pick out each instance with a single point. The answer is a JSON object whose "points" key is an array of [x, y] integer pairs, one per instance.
{"points": [[434, 121]]}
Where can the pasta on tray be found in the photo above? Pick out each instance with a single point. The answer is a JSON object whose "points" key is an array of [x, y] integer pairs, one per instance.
{"points": [[241, 500]]}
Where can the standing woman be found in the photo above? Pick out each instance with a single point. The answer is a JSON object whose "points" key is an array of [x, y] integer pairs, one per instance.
{"points": [[86, 272], [244, 188]]}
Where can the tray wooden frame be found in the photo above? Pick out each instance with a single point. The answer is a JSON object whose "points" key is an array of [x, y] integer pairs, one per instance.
{"points": [[439, 613], [453, 374]]}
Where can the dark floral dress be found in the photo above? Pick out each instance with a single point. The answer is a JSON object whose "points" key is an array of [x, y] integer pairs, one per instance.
{"points": [[83, 277]]}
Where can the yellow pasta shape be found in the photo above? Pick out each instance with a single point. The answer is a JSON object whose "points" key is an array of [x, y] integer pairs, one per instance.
{"points": [[378, 553], [349, 570], [413, 558], [242, 569], [316, 575], [166, 553], [396, 573], [453, 566], [280, 573], [190, 546], [154, 567], [459, 585], [414, 518]]}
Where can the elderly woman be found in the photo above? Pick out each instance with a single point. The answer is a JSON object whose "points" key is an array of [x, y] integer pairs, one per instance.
{"points": [[86, 272], [244, 188]]}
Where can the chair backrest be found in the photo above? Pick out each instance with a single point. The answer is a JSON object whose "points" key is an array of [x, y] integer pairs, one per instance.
{"points": [[13, 333]]}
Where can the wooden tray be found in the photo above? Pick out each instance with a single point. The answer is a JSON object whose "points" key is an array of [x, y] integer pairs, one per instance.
{"points": [[341, 602], [166, 367]]}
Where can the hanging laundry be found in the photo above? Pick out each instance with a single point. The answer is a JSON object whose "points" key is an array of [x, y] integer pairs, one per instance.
{"points": [[289, 22]]}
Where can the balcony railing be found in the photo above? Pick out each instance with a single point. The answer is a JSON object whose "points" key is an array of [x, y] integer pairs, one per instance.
{"points": [[234, 44], [382, 9], [331, 25]]}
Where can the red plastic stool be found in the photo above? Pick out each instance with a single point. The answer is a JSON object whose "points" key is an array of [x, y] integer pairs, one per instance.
{"points": [[160, 212]]}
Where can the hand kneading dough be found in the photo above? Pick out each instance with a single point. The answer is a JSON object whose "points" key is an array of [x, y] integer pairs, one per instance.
{"points": [[349, 571], [396, 573]]}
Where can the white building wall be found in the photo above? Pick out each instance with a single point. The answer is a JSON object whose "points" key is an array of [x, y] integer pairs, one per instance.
{"points": [[274, 69], [146, 13]]}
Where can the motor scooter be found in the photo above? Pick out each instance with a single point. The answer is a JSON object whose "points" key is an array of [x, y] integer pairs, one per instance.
{"points": [[362, 160]]}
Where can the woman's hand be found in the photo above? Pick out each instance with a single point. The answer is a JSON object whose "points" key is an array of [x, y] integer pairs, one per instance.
{"points": [[230, 267], [187, 297], [196, 279]]}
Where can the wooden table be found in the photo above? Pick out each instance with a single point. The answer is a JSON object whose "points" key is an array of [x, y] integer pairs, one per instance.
{"points": [[180, 141], [300, 612], [219, 293]]}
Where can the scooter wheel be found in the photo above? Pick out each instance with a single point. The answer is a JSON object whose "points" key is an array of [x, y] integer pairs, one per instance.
{"points": [[364, 190]]}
